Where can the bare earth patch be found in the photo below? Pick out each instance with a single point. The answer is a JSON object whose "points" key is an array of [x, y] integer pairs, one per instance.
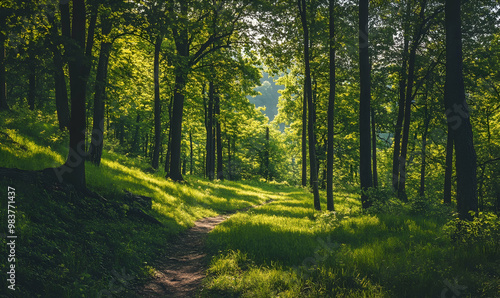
{"points": [[180, 273]]}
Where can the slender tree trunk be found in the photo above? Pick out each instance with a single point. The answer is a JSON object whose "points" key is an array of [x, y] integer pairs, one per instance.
{"points": [[220, 164], [427, 121], [3, 85], [407, 120], [399, 123], [229, 174], [409, 99], [374, 150], [308, 96], [210, 137], [304, 139], [458, 114], [331, 111], [266, 156], [169, 139], [448, 168], [61, 91], [97, 142], [364, 105], [190, 152], [157, 109], [136, 143]]}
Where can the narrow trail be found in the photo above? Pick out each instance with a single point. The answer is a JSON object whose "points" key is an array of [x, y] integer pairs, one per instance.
{"points": [[180, 273]]}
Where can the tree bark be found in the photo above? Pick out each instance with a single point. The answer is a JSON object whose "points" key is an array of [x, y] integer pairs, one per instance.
{"points": [[374, 150], [364, 105], [97, 141], [220, 164], [458, 114], [266, 156], [427, 120], [399, 122], [331, 111], [61, 91], [73, 171], [210, 148], [190, 152], [308, 96], [181, 72], [157, 109], [169, 139], [448, 168]]}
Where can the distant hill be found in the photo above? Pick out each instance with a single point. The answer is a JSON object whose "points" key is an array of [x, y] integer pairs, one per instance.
{"points": [[269, 97]]}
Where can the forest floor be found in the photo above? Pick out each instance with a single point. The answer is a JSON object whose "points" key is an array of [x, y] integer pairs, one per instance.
{"points": [[181, 268]]}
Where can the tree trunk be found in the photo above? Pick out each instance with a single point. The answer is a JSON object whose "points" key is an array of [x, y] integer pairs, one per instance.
{"points": [[304, 139], [220, 169], [169, 139], [364, 105], [157, 109], [229, 177], [266, 156], [181, 72], [409, 98], [374, 150], [448, 168], [3, 85], [427, 121], [190, 152], [331, 111], [61, 91], [458, 114], [97, 142], [406, 127], [308, 96], [73, 171], [401, 109], [210, 168]]}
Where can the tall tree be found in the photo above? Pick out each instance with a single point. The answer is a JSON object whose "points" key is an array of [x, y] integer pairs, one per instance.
{"points": [[218, 133], [458, 114], [73, 170], [185, 31], [157, 104], [313, 173], [61, 91], [365, 172], [331, 109], [97, 141]]}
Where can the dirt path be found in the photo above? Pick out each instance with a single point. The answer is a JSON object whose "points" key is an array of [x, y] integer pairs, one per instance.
{"points": [[181, 272]]}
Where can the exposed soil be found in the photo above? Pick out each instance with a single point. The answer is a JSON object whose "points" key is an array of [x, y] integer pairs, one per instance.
{"points": [[180, 273]]}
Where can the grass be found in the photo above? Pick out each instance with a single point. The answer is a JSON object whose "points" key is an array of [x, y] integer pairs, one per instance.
{"points": [[73, 246], [285, 249]]}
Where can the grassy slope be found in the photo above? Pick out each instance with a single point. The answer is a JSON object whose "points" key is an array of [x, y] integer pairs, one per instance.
{"points": [[70, 246]]}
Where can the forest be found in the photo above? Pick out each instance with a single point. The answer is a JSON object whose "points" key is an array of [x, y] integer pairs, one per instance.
{"points": [[250, 148]]}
